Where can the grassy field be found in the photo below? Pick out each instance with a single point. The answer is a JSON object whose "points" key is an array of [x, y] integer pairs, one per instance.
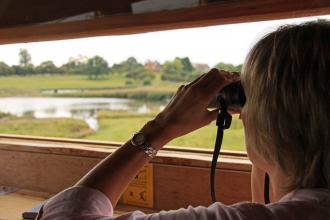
{"points": [[114, 125], [53, 127], [60, 81], [108, 86]]}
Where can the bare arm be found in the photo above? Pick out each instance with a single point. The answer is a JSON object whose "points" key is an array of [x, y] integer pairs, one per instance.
{"points": [[186, 112]]}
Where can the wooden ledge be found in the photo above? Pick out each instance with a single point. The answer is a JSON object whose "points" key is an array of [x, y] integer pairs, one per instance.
{"points": [[14, 204], [204, 15], [194, 157], [50, 165]]}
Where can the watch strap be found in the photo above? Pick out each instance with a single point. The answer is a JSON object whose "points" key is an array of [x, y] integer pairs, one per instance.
{"points": [[151, 152], [146, 146]]}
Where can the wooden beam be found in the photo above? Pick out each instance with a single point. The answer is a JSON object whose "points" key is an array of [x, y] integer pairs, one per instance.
{"points": [[3, 5], [174, 186], [213, 14], [168, 155], [20, 12]]}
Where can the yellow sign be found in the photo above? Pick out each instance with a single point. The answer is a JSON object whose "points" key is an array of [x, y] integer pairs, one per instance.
{"points": [[140, 191]]}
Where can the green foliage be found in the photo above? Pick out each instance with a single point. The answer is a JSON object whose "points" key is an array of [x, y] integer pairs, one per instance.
{"points": [[23, 71], [140, 73], [47, 67], [179, 70], [187, 66], [147, 81], [133, 70], [128, 82], [6, 115], [173, 71], [97, 66], [228, 66], [75, 65], [24, 57], [126, 66], [5, 70]]}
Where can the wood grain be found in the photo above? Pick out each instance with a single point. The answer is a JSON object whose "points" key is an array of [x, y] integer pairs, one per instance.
{"points": [[179, 179], [20, 13], [204, 15], [14, 204]]}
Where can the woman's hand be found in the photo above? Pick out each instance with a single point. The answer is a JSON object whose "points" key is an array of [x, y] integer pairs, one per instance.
{"points": [[187, 110]]}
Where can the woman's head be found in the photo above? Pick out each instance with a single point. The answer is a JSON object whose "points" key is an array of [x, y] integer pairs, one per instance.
{"points": [[286, 78]]}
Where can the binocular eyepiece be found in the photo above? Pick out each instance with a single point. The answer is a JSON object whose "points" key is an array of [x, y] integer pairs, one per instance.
{"points": [[233, 95]]}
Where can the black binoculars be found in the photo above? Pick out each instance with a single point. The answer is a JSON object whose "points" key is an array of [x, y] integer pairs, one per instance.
{"points": [[233, 96]]}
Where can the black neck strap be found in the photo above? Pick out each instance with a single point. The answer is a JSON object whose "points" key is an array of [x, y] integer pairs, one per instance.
{"points": [[266, 189], [223, 122]]}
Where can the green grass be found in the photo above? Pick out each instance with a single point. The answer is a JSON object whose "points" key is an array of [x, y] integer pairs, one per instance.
{"points": [[119, 126], [57, 127], [78, 81], [108, 86], [114, 125], [60, 81]]}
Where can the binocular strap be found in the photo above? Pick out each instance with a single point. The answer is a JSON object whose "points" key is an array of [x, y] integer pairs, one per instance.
{"points": [[224, 122]]}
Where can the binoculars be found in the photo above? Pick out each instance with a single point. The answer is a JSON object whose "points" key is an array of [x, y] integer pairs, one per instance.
{"points": [[233, 96]]}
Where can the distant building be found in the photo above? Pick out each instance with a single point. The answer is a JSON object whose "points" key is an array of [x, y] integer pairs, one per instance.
{"points": [[201, 67], [154, 66]]}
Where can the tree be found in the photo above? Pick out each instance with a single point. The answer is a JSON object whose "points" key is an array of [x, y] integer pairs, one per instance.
{"points": [[126, 66], [97, 66], [75, 65], [47, 67], [5, 70], [173, 71], [24, 57], [187, 66], [228, 66], [141, 73]]}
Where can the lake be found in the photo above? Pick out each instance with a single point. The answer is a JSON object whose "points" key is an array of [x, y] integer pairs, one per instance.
{"points": [[77, 108]]}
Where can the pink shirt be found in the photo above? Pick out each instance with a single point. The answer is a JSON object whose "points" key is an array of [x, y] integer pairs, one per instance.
{"points": [[84, 203]]}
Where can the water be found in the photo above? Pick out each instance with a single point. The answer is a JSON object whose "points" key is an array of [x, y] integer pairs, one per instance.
{"points": [[77, 108]]}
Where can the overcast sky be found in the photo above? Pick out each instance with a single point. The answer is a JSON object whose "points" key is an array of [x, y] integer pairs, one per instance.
{"points": [[225, 43]]}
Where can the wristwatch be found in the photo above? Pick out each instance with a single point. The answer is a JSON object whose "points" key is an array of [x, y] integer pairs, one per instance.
{"points": [[139, 139]]}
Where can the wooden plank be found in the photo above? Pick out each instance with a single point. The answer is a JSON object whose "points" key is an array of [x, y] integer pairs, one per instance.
{"points": [[174, 186], [14, 204], [165, 156], [42, 172], [206, 15], [108, 144], [3, 5], [177, 187], [20, 13]]}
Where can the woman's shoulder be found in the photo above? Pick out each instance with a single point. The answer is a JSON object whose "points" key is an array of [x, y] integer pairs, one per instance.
{"points": [[303, 204]]}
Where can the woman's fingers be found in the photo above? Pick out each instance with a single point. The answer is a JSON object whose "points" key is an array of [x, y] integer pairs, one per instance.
{"points": [[187, 111], [212, 82]]}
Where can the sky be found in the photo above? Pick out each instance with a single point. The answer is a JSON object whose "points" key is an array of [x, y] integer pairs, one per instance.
{"points": [[210, 45]]}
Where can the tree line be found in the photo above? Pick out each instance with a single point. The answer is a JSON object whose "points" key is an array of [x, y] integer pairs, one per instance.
{"points": [[180, 69]]}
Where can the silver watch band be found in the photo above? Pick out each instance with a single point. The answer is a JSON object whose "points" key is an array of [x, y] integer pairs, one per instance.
{"points": [[139, 139], [150, 151]]}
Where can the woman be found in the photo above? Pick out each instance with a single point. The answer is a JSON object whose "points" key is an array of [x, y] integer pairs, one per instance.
{"points": [[286, 78]]}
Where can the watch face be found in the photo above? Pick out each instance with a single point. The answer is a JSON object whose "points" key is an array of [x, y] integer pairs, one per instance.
{"points": [[138, 139]]}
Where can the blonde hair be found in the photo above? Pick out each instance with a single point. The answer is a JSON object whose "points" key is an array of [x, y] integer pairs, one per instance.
{"points": [[286, 77]]}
